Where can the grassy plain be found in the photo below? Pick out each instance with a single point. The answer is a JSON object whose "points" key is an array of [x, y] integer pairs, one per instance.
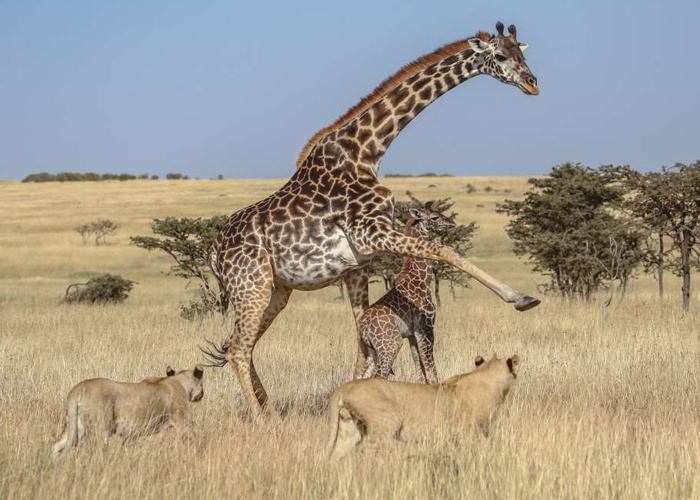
{"points": [[601, 410]]}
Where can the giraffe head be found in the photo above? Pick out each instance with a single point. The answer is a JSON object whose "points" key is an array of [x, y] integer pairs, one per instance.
{"points": [[502, 58], [426, 220]]}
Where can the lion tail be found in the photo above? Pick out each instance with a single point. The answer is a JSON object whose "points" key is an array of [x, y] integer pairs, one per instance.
{"points": [[71, 434], [334, 408]]}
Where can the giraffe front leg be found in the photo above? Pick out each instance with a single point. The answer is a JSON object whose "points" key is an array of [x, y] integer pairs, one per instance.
{"points": [[357, 282], [382, 238]]}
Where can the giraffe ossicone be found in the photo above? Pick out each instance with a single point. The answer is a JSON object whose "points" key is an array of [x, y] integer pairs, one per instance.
{"points": [[334, 215]]}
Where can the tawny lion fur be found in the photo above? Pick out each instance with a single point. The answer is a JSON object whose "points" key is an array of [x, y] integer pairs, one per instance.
{"points": [[376, 408], [104, 407]]}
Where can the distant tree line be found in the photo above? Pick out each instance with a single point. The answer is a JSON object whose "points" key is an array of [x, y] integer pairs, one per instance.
{"points": [[587, 229], [427, 174], [92, 176]]}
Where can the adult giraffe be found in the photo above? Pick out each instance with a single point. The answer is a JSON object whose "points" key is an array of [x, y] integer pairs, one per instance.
{"points": [[333, 215]]}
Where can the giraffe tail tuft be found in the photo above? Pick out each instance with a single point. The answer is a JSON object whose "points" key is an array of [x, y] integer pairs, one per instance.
{"points": [[215, 354]]}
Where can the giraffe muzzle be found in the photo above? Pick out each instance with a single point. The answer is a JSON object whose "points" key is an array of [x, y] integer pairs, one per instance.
{"points": [[529, 85]]}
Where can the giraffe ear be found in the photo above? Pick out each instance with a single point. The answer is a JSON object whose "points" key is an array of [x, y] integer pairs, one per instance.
{"points": [[416, 214], [477, 44], [522, 46]]}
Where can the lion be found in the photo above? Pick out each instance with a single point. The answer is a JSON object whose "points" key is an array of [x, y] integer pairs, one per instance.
{"points": [[105, 407], [374, 408]]}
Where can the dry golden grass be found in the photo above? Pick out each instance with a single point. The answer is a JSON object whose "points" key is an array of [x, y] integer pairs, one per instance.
{"points": [[600, 410]]}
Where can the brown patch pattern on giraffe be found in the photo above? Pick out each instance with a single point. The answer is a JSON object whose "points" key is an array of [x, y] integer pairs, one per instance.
{"points": [[405, 311], [333, 215]]}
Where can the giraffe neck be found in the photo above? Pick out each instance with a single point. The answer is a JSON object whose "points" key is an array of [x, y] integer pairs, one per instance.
{"points": [[365, 139], [416, 268]]}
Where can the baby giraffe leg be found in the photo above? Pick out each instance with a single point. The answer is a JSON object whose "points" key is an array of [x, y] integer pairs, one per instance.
{"points": [[386, 355]]}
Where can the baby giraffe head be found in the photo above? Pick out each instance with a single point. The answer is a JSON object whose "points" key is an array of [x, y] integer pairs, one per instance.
{"points": [[501, 56], [426, 220]]}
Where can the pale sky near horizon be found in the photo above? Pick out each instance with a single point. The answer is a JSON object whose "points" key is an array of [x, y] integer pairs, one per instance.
{"points": [[233, 88]]}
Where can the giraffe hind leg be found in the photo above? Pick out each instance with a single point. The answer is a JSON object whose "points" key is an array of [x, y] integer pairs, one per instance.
{"points": [[420, 368], [255, 308], [370, 363], [386, 355]]}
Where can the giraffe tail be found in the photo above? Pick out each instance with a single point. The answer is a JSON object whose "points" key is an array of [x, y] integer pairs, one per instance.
{"points": [[215, 354]]}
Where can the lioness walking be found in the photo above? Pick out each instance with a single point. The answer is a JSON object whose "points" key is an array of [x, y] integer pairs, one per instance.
{"points": [[107, 407], [375, 408]]}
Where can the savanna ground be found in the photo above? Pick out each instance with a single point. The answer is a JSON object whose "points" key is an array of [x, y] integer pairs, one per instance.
{"points": [[600, 410]]}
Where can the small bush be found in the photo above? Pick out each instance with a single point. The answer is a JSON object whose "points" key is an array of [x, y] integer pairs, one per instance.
{"points": [[471, 188], [488, 189], [85, 231], [101, 228], [106, 288]]}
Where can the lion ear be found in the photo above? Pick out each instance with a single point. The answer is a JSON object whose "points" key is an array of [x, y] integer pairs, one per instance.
{"points": [[198, 371], [169, 371], [513, 362], [478, 361]]}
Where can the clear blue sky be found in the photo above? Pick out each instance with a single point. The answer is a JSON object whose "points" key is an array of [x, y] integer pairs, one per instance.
{"points": [[236, 88]]}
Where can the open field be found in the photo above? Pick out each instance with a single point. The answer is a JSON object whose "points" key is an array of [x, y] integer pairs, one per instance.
{"points": [[600, 410]]}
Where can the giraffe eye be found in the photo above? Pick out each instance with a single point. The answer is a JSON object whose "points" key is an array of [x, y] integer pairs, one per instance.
{"points": [[500, 57]]}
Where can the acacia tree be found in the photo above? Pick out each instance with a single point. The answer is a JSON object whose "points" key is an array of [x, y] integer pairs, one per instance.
{"points": [[387, 266], [85, 231], [650, 205], [567, 226], [668, 203], [187, 241], [102, 228]]}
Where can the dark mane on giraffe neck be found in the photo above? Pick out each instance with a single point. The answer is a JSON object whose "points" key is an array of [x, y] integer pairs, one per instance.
{"points": [[386, 86], [409, 227]]}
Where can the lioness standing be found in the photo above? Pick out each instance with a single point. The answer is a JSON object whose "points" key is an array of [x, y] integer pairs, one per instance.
{"points": [[375, 408], [103, 406]]}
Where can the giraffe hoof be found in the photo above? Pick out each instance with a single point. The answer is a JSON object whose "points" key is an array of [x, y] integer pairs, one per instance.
{"points": [[526, 303]]}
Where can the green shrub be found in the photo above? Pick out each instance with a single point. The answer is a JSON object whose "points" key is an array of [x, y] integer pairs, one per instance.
{"points": [[106, 288], [188, 241]]}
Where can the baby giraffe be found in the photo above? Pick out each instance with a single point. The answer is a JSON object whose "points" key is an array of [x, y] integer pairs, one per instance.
{"points": [[407, 310]]}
